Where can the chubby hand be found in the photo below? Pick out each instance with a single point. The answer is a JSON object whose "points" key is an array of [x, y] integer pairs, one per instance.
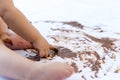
{"points": [[43, 47]]}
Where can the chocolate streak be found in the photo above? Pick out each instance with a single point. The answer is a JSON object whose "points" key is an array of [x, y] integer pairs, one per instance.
{"points": [[106, 42]]}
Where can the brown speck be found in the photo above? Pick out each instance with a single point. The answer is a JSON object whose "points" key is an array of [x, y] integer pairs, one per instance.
{"points": [[80, 71], [98, 29], [117, 70], [84, 77]]}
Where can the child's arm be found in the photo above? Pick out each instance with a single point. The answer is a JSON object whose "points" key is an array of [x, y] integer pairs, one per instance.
{"points": [[3, 27], [19, 24]]}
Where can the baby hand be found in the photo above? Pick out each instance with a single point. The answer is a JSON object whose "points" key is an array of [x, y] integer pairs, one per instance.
{"points": [[43, 47]]}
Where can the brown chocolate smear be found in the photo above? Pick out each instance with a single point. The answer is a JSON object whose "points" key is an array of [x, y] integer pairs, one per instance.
{"points": [[60, 51], [74, 24], [98, 29], [84, 78], [89, 53], [49, 21], [96, 67], [71, 23], [34, 58], [55, 38], [62, 30], [74, 66], [53, 52], [7, 41], [66, 53], [106, 42], [117, 70]]}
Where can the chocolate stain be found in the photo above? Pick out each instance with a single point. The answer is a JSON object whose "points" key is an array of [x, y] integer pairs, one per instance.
{"points": [[71, 23], [60, 51], [96, 66], [53, 52], [74, 24], [98, 29], [74, 66], [7, 41], [34, 58], [89, 53], [62, 30], [84, 77], [65, 52], [117, 70], [106, 42]]}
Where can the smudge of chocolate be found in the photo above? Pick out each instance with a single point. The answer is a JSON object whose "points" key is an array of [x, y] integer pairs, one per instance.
{"points": [[95, 67], [34, 58], [71, 23], [7, 41], [84, 77], [88, 53], [79, 71], [65, 52], [62, 30], [103, 60], [74, 66], [117, 70], [55, 39], [92, 77], [33, 54], [53, 52], [96, 74], [93, 63], [98, 29], [60, 51], [74, 24], [106, 42], [87, 39], [49, 21]]}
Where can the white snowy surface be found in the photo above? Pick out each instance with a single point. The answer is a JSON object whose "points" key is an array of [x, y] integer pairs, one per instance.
{"points": [[88, 12], [100, 14]]}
